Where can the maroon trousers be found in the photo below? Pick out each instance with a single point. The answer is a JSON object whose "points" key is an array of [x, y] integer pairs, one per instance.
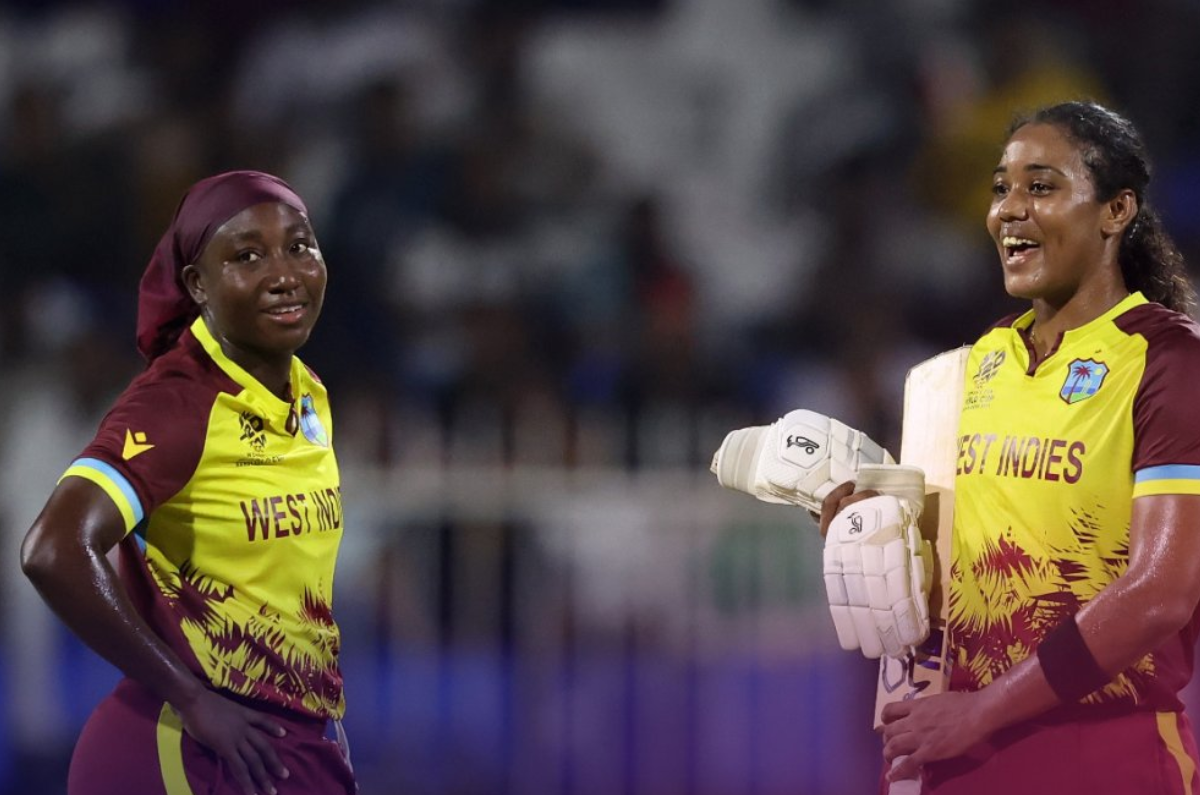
{"points": [[133, 744], [1136, 753]]}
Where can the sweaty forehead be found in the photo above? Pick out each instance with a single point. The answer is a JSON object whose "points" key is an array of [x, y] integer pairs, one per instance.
{"points": [[1038, 145]]}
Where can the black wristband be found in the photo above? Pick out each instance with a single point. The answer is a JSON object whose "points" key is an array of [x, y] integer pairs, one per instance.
{"points": [[1068, 664]]}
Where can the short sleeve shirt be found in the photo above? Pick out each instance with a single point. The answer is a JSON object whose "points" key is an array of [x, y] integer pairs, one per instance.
{"points": [[232, 500], [1051, 457]]}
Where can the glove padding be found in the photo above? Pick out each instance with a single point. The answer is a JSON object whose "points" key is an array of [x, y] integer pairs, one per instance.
{"points": [[797, 460], [878, 571]]}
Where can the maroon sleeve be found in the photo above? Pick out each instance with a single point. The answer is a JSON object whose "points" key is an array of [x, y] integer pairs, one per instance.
{"points": [[1003, 322], [155, 433], [1166, 426]]}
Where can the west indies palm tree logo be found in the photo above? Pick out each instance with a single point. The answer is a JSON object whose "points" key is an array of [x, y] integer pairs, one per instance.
{"points": [[1084, 377], [310, 423]]}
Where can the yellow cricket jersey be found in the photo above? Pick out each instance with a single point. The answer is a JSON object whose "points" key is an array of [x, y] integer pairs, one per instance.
{"points": [[1051, 456], [233, 500]]}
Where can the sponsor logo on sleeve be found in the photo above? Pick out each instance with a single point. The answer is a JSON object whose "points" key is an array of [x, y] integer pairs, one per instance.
{"points": [[135, 444]]}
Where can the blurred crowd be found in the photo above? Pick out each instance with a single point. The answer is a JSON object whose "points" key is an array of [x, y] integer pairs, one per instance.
{"points": [[564, 204], [542, 213]]}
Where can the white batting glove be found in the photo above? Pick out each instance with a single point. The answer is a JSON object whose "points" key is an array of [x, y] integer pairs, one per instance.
{"points": [[798, 460], [878, 571], [899, 480]]}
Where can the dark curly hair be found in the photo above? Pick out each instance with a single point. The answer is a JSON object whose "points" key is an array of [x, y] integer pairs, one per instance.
{"points": [[1116, 157]]}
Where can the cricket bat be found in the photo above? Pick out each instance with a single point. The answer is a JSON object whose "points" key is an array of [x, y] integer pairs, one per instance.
{"points": [[933, 397]]}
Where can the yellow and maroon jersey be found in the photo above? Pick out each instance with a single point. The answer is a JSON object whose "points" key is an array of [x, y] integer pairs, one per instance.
{"points": [[233, 501], [1051, 456]]}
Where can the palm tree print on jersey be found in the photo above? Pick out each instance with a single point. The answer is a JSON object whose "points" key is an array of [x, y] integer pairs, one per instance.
{"points": [[247, 649], [1006, 600]]}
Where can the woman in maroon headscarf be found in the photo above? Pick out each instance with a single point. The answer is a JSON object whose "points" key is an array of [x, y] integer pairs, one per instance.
{"points": [[215, 476]]}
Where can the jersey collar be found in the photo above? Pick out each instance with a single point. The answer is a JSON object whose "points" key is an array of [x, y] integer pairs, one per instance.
{"points": [[272, 407], [1132, 300]]}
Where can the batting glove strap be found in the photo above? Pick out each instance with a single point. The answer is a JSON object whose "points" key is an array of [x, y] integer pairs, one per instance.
{"points": [[797, 460], [877, 577], [899, 480]]}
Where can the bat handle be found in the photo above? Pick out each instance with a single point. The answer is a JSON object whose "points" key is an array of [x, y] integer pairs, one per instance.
{"points": [[910, 786]]}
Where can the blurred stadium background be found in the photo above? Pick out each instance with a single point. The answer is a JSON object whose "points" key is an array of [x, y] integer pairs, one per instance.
{"points": [[571, 243]]}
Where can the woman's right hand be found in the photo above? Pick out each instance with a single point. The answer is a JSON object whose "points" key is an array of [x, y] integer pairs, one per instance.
{"points": [[65, 555], [842, 496], [240, 736]]}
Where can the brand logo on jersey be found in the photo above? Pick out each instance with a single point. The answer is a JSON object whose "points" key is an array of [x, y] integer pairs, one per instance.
{"points": [[809, 445], [989, 367], [310, 423], [1084, 378], [135, 444], [252, 431]]}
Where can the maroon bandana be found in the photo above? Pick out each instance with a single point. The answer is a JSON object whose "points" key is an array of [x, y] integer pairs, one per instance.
{"points": [[165, 309]]}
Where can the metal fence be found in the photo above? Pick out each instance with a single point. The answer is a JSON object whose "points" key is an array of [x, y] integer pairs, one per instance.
{"points": [[524, 611], [538, 629]]}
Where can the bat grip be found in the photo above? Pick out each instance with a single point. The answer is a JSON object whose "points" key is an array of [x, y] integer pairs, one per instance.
{"points": [[909, 786]]}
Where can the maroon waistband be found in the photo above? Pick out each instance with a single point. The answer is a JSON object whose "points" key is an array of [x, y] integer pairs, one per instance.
{"points": [[137, 694]]}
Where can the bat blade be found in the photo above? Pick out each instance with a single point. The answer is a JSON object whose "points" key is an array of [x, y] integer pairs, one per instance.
{"points": [[933, 396]]}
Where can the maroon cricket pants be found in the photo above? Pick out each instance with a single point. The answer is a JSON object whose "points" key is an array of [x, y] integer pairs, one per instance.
{"points": [[133, 743], [1134, 753]]}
